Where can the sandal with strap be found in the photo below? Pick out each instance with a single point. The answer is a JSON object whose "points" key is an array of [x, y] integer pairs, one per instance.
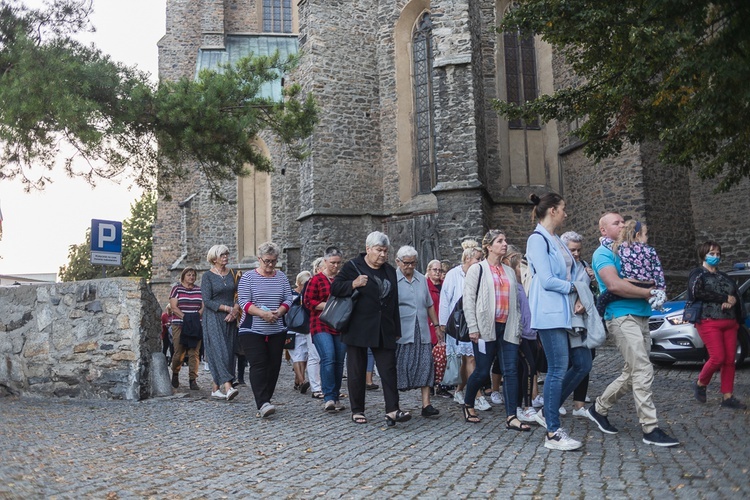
{"points": [[400, 416], [359, 418], [520, 427], [472, 418]]}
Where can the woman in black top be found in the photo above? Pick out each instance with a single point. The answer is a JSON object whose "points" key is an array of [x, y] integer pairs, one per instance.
{"points": [[375, 323], [717, 324]]}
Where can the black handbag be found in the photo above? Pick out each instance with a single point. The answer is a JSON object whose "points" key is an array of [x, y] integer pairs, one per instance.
{"points": [[456, 326], [693, 310], [290, 341], [338, 311]]}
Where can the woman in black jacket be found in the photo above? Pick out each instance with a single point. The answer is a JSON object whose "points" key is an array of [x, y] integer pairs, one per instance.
{"points": [[375, 324], [717, 324]]}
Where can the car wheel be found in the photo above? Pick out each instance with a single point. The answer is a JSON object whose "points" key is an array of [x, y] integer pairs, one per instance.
{"points": [[743, 341]]}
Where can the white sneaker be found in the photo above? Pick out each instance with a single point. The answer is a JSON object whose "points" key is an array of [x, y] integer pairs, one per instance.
{"points": [[458, 397], [496, 398], [563, 411], [481, 404], [205, 367], [539, 417], [527, 416], [561, 441], [218, 394], [587, 399], [538, 401], [267, 410], [580, 412], [232, 393]]}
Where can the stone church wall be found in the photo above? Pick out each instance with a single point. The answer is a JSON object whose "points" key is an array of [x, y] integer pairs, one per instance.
{"points": [[86, 339]]}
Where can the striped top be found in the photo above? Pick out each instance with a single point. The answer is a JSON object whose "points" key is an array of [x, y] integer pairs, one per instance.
{"points": [[188, 300], [502, 294], [260, 291]]}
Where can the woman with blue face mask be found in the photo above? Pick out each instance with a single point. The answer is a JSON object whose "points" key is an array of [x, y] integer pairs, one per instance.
{"points": [[717, 323]]}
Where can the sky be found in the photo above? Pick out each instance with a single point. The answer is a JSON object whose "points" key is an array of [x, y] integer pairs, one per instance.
{"points": [[39, 227]]}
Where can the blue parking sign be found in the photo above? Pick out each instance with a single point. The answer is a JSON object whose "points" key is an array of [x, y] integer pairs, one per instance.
{"points": [[106, 242]]}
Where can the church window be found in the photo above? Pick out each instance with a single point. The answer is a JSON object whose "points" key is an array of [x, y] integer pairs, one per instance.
{"points": [[424, 127], [277, 16], [520, 73]]}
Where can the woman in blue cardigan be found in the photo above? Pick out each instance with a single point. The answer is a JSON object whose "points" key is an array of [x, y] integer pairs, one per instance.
{"points": [[553, 267]]}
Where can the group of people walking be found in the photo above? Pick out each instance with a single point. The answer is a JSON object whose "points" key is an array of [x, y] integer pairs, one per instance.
{"points": [[520, 311]]}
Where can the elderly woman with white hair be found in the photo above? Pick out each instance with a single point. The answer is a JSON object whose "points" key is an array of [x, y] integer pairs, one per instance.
{"points": [[375, 323], [218, 287], [265, 296], [414, 365]]}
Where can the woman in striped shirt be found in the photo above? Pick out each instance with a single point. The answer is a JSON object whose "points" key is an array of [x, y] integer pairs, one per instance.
{"points": [[265, 296], [186, 303]]}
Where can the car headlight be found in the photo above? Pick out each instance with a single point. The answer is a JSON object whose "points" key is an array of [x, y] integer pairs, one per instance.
{"points": [[676, 319]]}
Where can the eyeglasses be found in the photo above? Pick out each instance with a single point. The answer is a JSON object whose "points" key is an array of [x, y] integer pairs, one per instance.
{"points": [[408, 264], [268, 262]]}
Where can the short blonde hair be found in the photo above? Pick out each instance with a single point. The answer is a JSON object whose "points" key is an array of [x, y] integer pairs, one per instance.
{"points": [[303, 277], [215, 252], [317, 264]]}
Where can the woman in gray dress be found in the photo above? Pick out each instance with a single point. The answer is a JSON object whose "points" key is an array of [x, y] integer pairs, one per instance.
{"points": [[218, 287], [414, 366]]}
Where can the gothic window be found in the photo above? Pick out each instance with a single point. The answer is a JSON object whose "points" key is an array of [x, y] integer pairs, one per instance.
{"points": [[277, 16], [424, 128], [520, 73]]}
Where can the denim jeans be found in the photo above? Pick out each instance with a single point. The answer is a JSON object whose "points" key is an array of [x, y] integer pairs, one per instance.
{"points": [[331, 351], [507, 354], [581, 361], [556, 347]]}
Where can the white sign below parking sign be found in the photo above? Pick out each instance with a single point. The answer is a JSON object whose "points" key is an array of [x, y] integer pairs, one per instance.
{"points": [[106, 242]]}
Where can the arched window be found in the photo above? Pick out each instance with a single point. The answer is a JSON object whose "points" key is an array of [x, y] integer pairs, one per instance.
{"points": [[520, 73], [424, 129], [277, 16]]}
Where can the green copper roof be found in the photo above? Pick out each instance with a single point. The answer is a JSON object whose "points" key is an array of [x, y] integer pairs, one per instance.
{"points": [[239, 46]]}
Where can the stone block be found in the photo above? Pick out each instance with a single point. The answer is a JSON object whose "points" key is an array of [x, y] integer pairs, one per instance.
{"points": [[33, 350], [123, 322], [86, 346], [124, 356]]}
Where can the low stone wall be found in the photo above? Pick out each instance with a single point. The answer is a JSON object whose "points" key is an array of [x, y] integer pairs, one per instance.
{"points": [[86, 339]]}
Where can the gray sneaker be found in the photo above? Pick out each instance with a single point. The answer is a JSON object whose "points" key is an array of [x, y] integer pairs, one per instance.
{"points": [[267, 410], [658, 437], [600, 420]]}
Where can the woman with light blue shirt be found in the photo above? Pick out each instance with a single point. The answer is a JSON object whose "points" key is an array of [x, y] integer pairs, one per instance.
{"points": [[553, 269]]}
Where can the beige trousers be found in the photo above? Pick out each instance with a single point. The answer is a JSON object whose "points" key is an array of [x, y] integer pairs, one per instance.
{"points": [[632, 338]]}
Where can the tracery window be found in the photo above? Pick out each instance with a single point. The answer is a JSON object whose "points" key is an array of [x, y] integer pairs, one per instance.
{"points": [[277, 16], [520, 73], [424, 128]]}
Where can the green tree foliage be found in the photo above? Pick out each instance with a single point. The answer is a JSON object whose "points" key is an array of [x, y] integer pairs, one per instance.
{"points": [[137, 237], [673, 71], [55, 90]]}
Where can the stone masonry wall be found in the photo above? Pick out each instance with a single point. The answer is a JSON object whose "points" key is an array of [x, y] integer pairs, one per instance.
{"points": [[86, 339]]}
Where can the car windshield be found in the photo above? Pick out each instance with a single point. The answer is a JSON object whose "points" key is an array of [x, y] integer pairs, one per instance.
{"points": [[682, 296], [740, 279]]}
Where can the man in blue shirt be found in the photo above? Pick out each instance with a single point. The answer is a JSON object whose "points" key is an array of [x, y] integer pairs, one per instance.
{"points": [[627, 321]]}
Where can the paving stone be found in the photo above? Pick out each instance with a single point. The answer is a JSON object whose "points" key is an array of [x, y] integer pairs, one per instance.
{"points": [[190, 446]]}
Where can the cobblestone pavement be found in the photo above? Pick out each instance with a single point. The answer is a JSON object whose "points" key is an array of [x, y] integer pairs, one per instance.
{"points": [[189, 446]]}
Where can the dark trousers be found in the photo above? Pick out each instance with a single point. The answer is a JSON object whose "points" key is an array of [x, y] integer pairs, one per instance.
{"points": [[356, 366], [579, 394], [263, 352], [527, 354]]}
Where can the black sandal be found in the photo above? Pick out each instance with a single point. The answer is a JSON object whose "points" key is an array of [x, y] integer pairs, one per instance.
{"points": [[469, 417], [359, 418], [401, 416], [521, 427]]}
